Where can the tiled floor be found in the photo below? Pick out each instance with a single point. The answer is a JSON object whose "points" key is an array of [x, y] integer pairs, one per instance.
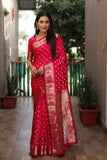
{"points": [[15, 130]]}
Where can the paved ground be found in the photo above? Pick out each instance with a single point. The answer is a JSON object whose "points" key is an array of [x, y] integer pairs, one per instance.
{"points": [[15, 131]]}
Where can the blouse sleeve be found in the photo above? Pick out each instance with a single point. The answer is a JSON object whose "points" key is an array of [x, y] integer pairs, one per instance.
{"points": [[30, 54]]}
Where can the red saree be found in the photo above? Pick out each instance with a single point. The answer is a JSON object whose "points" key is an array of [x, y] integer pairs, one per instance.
{"points": [[53, 129]]}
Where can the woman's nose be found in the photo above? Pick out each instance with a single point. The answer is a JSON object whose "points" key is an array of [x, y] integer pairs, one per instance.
{"points": [[44, 24]]}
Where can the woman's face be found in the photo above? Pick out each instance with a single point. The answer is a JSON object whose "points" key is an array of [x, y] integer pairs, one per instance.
{"points": [[43, 24]]}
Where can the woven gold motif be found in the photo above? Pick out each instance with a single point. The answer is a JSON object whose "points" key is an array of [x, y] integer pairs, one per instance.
{"points": [[39, 42]]}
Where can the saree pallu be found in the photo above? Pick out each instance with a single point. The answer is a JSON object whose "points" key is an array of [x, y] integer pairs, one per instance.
{"points": [[53, 129]]}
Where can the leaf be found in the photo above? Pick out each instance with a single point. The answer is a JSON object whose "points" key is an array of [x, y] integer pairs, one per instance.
{"points": [[69, 21]]}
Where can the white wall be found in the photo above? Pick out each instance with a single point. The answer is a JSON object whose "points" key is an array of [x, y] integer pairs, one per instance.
{"points": [[2, 62], [8, 38], [14, 31]]}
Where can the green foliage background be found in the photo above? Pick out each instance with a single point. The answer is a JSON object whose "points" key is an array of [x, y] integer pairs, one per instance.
{"points": [[69, 21]]}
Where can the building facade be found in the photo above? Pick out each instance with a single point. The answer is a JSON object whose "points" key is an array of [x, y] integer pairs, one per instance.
{"points": [[96, 50], [8, 37]]}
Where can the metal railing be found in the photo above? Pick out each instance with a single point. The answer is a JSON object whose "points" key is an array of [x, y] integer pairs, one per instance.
{"points": [[75, 76]]}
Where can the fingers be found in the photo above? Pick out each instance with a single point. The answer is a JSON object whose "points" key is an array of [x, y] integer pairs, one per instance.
{"points": [[40, 70], [35, 72]]}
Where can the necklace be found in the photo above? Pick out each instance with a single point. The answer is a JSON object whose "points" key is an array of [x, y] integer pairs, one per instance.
{"points": [[40, 36]]}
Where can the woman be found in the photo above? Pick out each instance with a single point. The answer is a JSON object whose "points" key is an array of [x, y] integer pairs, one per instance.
{"points": [[53, 129]]}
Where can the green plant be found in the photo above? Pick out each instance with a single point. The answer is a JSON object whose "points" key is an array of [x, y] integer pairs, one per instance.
{"points": [[87, 93], [69, 21], [12, 82]]}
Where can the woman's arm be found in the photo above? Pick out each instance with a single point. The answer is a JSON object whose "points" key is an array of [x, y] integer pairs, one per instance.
{"points": [[32, 68], [29, 59], [29, 64]]}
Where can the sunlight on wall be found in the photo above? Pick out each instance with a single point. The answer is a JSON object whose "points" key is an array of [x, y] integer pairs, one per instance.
{"points": [[25, 26], [6, 5]]}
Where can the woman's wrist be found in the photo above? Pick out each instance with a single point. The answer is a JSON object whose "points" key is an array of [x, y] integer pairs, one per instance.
{"points": [[29, 64]]}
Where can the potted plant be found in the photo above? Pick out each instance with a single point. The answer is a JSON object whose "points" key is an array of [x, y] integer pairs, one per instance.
{"points": [[88, 101], [10, 99]]}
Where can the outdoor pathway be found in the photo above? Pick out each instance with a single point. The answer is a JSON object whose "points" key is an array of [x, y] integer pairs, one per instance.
{"points": [[15, 131]]}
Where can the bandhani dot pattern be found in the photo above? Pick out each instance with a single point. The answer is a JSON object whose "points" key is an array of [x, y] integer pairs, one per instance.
{"points": [[53, 129]]}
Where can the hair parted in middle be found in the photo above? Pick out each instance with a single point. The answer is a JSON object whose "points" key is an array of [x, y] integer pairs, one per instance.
{"points": [[50, 38]]}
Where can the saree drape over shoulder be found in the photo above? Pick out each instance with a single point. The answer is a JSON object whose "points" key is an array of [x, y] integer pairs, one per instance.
{"points": [[53, 129]]}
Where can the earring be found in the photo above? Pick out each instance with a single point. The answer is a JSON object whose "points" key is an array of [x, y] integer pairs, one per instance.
{"points": [[37, 27]]}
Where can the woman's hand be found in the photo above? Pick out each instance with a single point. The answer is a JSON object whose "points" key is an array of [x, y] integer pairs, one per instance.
{"points": [[40, 70], [33, 70]]}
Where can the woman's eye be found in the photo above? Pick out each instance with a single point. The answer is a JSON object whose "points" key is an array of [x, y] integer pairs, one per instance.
{"points": [[47, 21], [44, 22], [41, 21]]}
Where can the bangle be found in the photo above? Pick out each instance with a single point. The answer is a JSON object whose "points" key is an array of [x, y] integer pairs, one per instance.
{"points": [[29, 64]]}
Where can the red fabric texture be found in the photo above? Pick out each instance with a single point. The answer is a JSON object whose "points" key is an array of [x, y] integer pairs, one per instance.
{"points": [[53, 129]]}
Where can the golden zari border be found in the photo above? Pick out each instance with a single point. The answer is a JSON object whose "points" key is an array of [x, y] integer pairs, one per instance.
{"points": [[55, 123], [39, 43]]}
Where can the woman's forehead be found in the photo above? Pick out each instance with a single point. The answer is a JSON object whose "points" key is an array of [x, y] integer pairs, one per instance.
{"points": [[43, 18]]}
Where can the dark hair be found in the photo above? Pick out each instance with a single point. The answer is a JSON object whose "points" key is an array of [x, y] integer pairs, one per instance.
{"points": [[50, 33]]}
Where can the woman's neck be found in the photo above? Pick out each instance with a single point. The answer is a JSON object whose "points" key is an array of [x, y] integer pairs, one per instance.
{"points": [[41, 34]]}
